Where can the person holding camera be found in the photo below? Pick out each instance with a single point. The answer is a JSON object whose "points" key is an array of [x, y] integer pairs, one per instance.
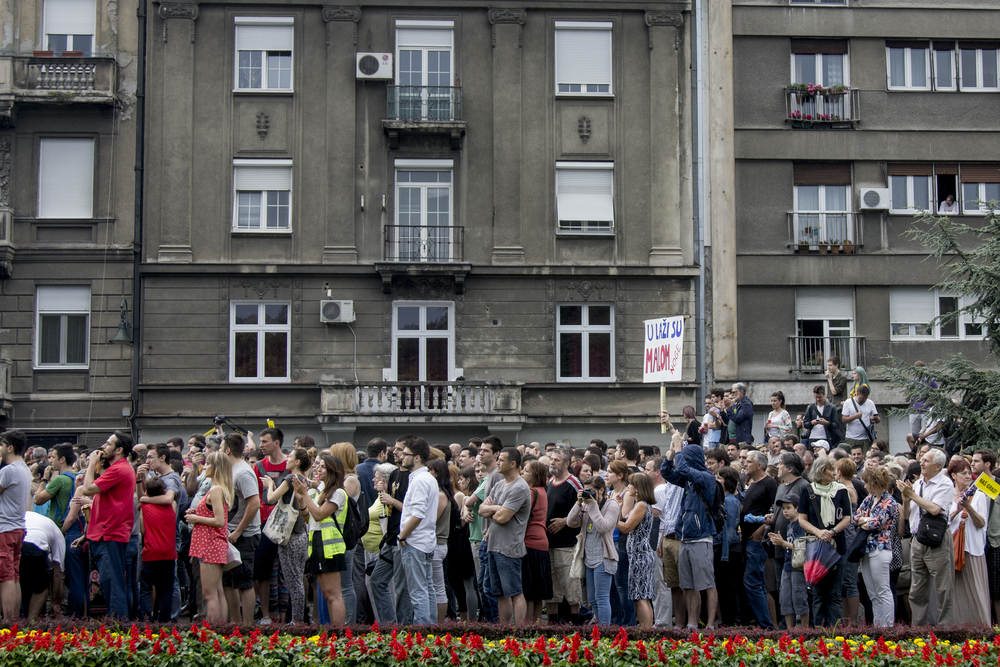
{"points": [[598, 514]]}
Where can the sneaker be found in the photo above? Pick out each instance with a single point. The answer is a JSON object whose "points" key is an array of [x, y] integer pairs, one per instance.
{"points": [[264, 621]]}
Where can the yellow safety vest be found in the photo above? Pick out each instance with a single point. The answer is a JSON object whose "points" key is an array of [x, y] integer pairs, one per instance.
{"points": [[333, 540]]}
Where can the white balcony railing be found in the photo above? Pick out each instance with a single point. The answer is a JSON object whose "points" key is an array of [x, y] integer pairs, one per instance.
{"points": [[463, 397]]}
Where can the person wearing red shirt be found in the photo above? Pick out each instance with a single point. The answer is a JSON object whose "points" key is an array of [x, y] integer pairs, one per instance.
{"points": [[111, 518], [159, 553], [272, 464]]}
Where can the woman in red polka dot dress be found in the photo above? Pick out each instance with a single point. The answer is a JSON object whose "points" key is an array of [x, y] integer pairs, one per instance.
{"points": [[210, 536]]}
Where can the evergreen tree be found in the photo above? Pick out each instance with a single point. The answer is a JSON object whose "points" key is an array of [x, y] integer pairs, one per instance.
{"points": [[967, 396]]}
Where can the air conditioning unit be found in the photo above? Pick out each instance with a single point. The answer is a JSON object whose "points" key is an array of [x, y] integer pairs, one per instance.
{"points": [[875, 199], [374, 66], [336, 312]]}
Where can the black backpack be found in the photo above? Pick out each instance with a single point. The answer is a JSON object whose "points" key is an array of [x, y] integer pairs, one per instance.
{"points": [[355, 526], [717, 510]]}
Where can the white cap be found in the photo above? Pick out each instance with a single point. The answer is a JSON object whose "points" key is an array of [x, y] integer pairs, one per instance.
{"points": [[821, 443]]}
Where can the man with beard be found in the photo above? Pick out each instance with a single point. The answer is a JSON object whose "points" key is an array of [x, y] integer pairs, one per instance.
{"points": [[562, 493]]}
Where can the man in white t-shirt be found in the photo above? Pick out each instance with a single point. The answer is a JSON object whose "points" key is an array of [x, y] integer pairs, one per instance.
{"points": [[417, 524], [42, 556], [711, 424], [858, 413]]}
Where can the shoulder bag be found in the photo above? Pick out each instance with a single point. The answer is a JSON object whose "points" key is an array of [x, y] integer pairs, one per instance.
{"points": [[281, 522], [933, 527]]}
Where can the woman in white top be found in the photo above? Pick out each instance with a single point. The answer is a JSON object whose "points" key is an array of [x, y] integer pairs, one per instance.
{"points": [[972, 590], [779, 423]]}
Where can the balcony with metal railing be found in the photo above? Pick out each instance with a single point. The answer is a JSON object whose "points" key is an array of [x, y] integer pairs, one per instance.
{"points": [[837, 232], [808, 354], [809, 106], [424, 110], [407, 243]]}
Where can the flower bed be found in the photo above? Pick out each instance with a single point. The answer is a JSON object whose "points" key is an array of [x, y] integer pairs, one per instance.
{"points": [[199, 645]]}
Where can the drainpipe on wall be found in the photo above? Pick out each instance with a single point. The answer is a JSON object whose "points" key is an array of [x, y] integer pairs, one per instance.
{"points": [[140, 137], [698, 200]]}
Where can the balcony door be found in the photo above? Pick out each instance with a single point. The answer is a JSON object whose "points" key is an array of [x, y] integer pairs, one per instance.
{"points": [[822, 214], [424, 70], [424, 225], [824, 328], [423, 346]]}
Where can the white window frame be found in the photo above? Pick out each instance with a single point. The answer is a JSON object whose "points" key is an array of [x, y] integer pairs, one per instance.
{"points": [[909, 209], [425, 241], [819, 67], [260, 329], [909, 83], [588, 227], [586, 330], [283, 23], [951, 65], [282, 178], [442, 27], [565, 27], [423, 334], [824, 232], [982, 197], [75, 300], [934, 295], [60, 179], [979, 87], [58, 19]]}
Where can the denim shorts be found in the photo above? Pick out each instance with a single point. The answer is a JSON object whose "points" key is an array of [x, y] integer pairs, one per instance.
{"points": [[505, 575]]}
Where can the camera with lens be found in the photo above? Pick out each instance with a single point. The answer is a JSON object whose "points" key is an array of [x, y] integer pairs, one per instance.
{"points": [[219, 420], [589, 493]]}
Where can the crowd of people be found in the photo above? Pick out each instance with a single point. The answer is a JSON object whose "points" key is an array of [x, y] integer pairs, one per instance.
{"points": [[704, 528]]}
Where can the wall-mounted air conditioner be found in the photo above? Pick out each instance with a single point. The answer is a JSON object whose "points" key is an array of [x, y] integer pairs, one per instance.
{"points": [[374, 66], [336, 312], [874, 199]]}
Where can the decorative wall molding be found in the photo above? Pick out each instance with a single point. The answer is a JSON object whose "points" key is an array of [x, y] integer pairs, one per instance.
{"points": [[668, 19], [583, 128], [4, 172], [341, 13], [178, 10], [582, 290], [263, 122], [259, 287], [507, 15]]}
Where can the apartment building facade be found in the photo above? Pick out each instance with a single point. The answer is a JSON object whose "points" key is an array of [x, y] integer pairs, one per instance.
{"points": [[68, 73], [382, 218], [848, 119]]}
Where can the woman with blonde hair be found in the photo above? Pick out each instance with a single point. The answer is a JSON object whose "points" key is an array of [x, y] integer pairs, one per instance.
{"points": [[354, 579], [210, 536], [327, 514]]}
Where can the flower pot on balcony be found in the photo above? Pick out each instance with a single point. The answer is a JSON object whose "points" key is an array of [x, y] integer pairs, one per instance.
{"points": [[72, 54], [802, 248], [848, 247], [835, 249], [802, 124], [42, 54], [824, 249]]}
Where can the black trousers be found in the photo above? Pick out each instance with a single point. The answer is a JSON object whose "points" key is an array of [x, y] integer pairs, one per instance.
{"points": [[159, 574]]}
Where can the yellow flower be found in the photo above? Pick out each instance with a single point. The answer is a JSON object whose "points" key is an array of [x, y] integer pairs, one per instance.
{"points": [[870, 642], [838, 639], [314, 639]]}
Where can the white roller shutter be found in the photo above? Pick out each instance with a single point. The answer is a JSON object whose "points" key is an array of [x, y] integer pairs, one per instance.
{"points": [[262, 178], [265, 37], [585, 194], [911, 305], [63, 299], [424, 37], [66, 178], [824, 303], [583, 56], [69, 17]]}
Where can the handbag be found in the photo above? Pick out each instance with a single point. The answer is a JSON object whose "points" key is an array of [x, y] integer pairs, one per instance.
{"points": [[799, 550], [932, 526], [958, 544], [576, 568], [281, 523], [232, 557]]}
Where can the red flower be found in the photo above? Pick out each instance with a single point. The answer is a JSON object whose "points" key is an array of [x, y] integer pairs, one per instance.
{"points": [[427, 655], [546, 661], [587, 655], [454, 657]]}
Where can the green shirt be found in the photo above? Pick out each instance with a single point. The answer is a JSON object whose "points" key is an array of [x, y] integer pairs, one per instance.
{"points": [[61, 489], [476, 527]]}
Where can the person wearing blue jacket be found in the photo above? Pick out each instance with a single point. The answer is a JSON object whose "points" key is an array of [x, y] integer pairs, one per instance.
{"points": [[740, 413], [685, 467]]}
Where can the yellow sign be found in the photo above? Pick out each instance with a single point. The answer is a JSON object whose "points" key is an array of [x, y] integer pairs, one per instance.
{"points": [[988, 485]]}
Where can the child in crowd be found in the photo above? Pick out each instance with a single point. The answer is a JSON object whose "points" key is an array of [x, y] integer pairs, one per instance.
{"points": [[794, 599], [159, 531]]}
